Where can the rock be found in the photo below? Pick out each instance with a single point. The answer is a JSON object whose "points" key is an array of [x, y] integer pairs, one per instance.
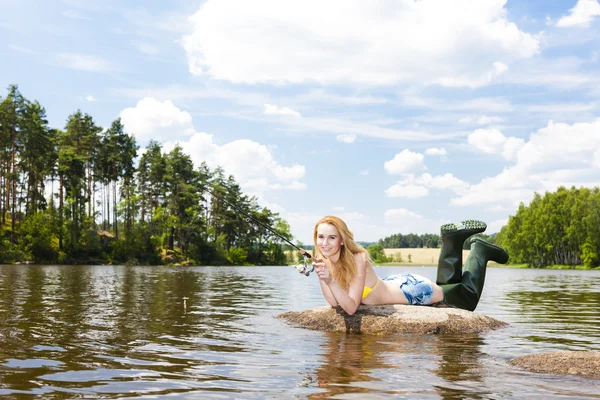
{"points": [[386, 319], [583, 363]]}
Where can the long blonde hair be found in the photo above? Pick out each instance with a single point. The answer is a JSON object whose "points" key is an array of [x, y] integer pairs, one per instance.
{"points": [[345, 269]]}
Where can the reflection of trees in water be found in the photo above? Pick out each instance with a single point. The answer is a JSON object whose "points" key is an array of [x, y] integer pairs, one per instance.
{"points": [[353, 364], [566, 306], [153, 305], [76, 314], [48, 309]]}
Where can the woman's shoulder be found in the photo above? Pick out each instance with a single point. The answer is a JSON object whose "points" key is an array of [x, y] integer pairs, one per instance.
{"points": [[361, 258]]}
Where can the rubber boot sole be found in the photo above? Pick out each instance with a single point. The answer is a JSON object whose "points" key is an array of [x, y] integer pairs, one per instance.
{"points": [[468, 227]]}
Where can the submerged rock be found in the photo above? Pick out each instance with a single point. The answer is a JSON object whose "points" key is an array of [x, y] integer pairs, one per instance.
{"points": [[583, 363], [386, 319]]}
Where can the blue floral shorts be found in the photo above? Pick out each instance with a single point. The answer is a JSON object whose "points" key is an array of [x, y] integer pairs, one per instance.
{"points": [[417, 289]]}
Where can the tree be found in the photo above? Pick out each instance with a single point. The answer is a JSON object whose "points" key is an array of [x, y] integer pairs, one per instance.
{"points": [[377, 253], [77, 147], [11, 121]]}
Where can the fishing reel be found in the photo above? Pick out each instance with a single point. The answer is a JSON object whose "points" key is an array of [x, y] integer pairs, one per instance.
{"points": [[303, 267]]}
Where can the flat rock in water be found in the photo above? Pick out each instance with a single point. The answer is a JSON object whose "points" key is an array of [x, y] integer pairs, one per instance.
{"points": [[387, 319], [583, 363]]}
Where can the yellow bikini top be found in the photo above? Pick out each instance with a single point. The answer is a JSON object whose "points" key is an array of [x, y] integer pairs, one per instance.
{"points": [[366, 289]]}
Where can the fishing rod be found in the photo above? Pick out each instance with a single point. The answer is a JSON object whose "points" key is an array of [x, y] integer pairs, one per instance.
{"points": [[302, 266]]}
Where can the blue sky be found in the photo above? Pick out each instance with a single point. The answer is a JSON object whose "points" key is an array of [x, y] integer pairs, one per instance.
{"points": [[397, 116]]}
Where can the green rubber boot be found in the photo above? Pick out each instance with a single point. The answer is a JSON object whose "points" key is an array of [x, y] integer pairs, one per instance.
{"points": [[467, 293], [453, 237]]}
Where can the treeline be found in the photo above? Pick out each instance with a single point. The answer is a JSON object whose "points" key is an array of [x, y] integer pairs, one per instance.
{"points": [[427, 240], [561, 228], [411, 240], [76, 195]]}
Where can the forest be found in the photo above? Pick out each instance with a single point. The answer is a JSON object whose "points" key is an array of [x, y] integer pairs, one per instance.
{"points": [[84, 194], [411, 240], [560, 228]]}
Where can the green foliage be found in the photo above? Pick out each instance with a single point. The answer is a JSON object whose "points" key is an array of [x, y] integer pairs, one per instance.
{"points": [[37, 238], [411, 240], [104, 208], [589, 254], [561, 228], [377, 253], [236, 256]]}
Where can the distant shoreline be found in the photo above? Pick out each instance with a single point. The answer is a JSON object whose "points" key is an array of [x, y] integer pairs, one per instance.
{"points": [[429, 257]]}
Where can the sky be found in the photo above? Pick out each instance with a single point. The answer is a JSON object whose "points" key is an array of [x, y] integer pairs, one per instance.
{"points": [[396, 115]]}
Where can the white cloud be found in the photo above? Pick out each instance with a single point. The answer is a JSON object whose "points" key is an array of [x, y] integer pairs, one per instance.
{"points": [[270, 109], [251, 163], [346, 138], [404, 162], [414, 187], [556, 155], [442, 182], [153, 119], [492, 141], [364, 173], [581, 15], [338, 208], [407, 191], [486, 120], [557, 72], [487, 140], [482, 120], [434, 151], [84, 62], [468, 80], [90, 98], [463, 43]]}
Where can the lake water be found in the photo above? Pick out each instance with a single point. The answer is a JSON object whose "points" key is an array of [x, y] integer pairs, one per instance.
{"points": [[211, 332]]}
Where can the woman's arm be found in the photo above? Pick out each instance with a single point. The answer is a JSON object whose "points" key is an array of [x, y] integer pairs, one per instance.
{"points": [[327, 294], [350, 300]]}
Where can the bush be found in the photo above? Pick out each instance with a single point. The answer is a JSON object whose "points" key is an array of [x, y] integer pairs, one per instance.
{"points": [[377, 253], [36, 238]]}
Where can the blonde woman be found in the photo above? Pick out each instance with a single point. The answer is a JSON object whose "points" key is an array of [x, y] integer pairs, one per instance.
{"points": [[347, 278]]}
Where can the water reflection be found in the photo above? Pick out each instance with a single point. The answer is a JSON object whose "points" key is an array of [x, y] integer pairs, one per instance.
{"points": [[365, 364], [565, 306], [114, 331], [63, 324]]}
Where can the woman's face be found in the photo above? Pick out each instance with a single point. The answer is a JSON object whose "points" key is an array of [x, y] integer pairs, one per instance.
{"points": [[329, 241]]}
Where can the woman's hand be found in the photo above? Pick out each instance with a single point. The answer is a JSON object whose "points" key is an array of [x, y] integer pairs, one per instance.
{"points": [[322, 270]]}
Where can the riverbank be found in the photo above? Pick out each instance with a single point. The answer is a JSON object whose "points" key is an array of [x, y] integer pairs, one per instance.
{"points": [[430, 256]]}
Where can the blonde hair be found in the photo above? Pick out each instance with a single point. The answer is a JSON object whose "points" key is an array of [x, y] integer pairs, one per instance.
{"points": [[345, 269]]}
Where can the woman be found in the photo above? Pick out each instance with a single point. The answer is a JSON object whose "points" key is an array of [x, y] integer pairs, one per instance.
{"points": [[347, 278]]}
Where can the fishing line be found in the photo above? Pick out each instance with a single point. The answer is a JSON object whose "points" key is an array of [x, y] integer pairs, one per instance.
{"points": [[302, 266]]}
